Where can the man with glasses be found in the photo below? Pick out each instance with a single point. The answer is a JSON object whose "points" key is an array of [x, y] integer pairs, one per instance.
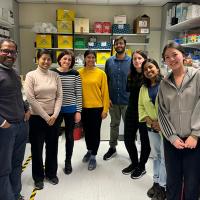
{"points": [[13, 126], [117, 68]]}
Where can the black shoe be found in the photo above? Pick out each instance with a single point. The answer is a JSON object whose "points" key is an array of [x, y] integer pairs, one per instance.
{"points": [[151, 192], [128, 170], [92, 164], [68, 167], [111, 153], [138, 173], [39, 185], [53, 181], [86, 157], [160, 194]]}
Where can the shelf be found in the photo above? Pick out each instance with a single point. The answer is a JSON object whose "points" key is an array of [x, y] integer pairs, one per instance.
{"points": [[188, 24], [130, 34], [77, 49], [57, 33], [192, 45], [136, 44], [99, 34], [5, 23], [55, 48]]}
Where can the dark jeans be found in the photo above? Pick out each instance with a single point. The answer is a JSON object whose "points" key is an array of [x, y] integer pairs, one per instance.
{"points": [[12, 147], [69, 128], [40, 133], [131, 125], [91, 119], [182, 167]]}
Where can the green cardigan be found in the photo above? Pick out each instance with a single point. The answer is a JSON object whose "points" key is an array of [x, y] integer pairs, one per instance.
{"points": [[145, 105]]}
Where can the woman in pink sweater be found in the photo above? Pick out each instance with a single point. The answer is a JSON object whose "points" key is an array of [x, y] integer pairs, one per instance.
{"points": [[44, 93]]}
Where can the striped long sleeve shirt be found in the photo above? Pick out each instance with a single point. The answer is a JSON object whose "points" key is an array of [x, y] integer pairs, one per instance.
{"points": [[72, 91]]}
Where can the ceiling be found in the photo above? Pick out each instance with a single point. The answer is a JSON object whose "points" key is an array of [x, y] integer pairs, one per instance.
{"points": [[102, 2]]}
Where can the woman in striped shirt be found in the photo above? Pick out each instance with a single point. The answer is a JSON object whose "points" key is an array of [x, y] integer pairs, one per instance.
{"points": [[72, 101]]}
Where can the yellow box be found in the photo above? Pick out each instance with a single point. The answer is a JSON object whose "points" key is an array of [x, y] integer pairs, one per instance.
{"points": [[65, 41], [43, 41], [57, 54], [65, 27], [64, 14], [102, 57], [81, 25]]}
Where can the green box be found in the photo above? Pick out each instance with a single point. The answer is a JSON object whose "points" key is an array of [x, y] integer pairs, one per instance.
{"points": [[79, 43]]}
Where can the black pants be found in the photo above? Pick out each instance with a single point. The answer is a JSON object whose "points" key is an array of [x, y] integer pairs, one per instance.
{"points": [[91, 119], [182, 167], [131, 125], [40, 133], [69, 128]]}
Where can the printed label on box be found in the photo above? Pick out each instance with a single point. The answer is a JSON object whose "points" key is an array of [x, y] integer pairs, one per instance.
{"points": [[143, 23]]}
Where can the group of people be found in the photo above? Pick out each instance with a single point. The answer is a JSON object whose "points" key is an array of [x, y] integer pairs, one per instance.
{"points": [[165, 110]]}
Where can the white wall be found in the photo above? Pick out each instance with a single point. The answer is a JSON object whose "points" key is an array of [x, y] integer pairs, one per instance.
{"points": [[31, 13]]}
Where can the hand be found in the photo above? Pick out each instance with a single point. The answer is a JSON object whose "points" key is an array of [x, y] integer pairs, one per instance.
{"points": [[179, 144], [191, 142], [155, 125], [51, 121], [103, 115], [6, 125], [77, 117], [149, 121], [27, 115]]}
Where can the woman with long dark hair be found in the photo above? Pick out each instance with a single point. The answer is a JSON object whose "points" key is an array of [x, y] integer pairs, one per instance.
{"points": [[132, 124]]}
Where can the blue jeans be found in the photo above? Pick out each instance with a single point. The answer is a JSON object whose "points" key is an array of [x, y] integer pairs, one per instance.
{"points": [[12, 147], [157, 151]]}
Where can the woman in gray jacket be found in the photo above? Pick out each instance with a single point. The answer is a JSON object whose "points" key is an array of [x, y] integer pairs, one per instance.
{"points": [[179, 119]]}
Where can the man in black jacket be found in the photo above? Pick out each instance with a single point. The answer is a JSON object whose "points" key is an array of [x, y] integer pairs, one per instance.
{"points": [[14, 114]]}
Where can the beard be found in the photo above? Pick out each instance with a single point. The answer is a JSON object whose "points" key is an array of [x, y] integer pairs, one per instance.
{"points": [[120, 51]]}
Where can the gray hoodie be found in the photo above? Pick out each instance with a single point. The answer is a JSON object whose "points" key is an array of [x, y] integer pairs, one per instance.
{"points": [[179, 108]]}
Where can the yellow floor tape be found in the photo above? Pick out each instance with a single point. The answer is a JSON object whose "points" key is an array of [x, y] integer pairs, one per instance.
{"points": [[26, 163], [32, 197]]}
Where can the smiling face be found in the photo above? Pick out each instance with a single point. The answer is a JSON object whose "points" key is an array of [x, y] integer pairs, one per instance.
{"points": [[65, 62], [45, 61], [90, 60], [173, 58], [120, 46], [137, 61], [8, 53], [151, 71]]}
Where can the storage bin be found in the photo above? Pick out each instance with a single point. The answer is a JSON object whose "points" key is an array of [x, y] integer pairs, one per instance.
{"points": [[43, 41]]}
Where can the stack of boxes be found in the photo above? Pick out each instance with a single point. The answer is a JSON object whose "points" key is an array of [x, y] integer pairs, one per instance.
{"points": [[120, 26]]}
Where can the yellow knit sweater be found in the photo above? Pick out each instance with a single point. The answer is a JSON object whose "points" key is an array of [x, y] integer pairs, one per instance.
{"points": [[95, 88]]}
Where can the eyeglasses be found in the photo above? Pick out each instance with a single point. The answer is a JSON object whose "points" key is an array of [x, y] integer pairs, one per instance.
{"points": [[7, 51]]}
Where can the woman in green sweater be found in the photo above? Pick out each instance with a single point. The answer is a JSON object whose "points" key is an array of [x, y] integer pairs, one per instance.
{"points": [[148, 107], [95, 105]]}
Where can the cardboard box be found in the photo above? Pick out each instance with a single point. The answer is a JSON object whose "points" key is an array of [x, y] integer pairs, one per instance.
{"points": [[102, 57], [142, 24], [98, 27], [121, 28], [81, 25], [79, 43], [107, 27], [120, 19], [65, 41], [63, 15], [43, 41], [65, 27]]}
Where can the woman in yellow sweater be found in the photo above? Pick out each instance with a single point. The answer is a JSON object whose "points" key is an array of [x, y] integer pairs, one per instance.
{"points": [[95, 105]]}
